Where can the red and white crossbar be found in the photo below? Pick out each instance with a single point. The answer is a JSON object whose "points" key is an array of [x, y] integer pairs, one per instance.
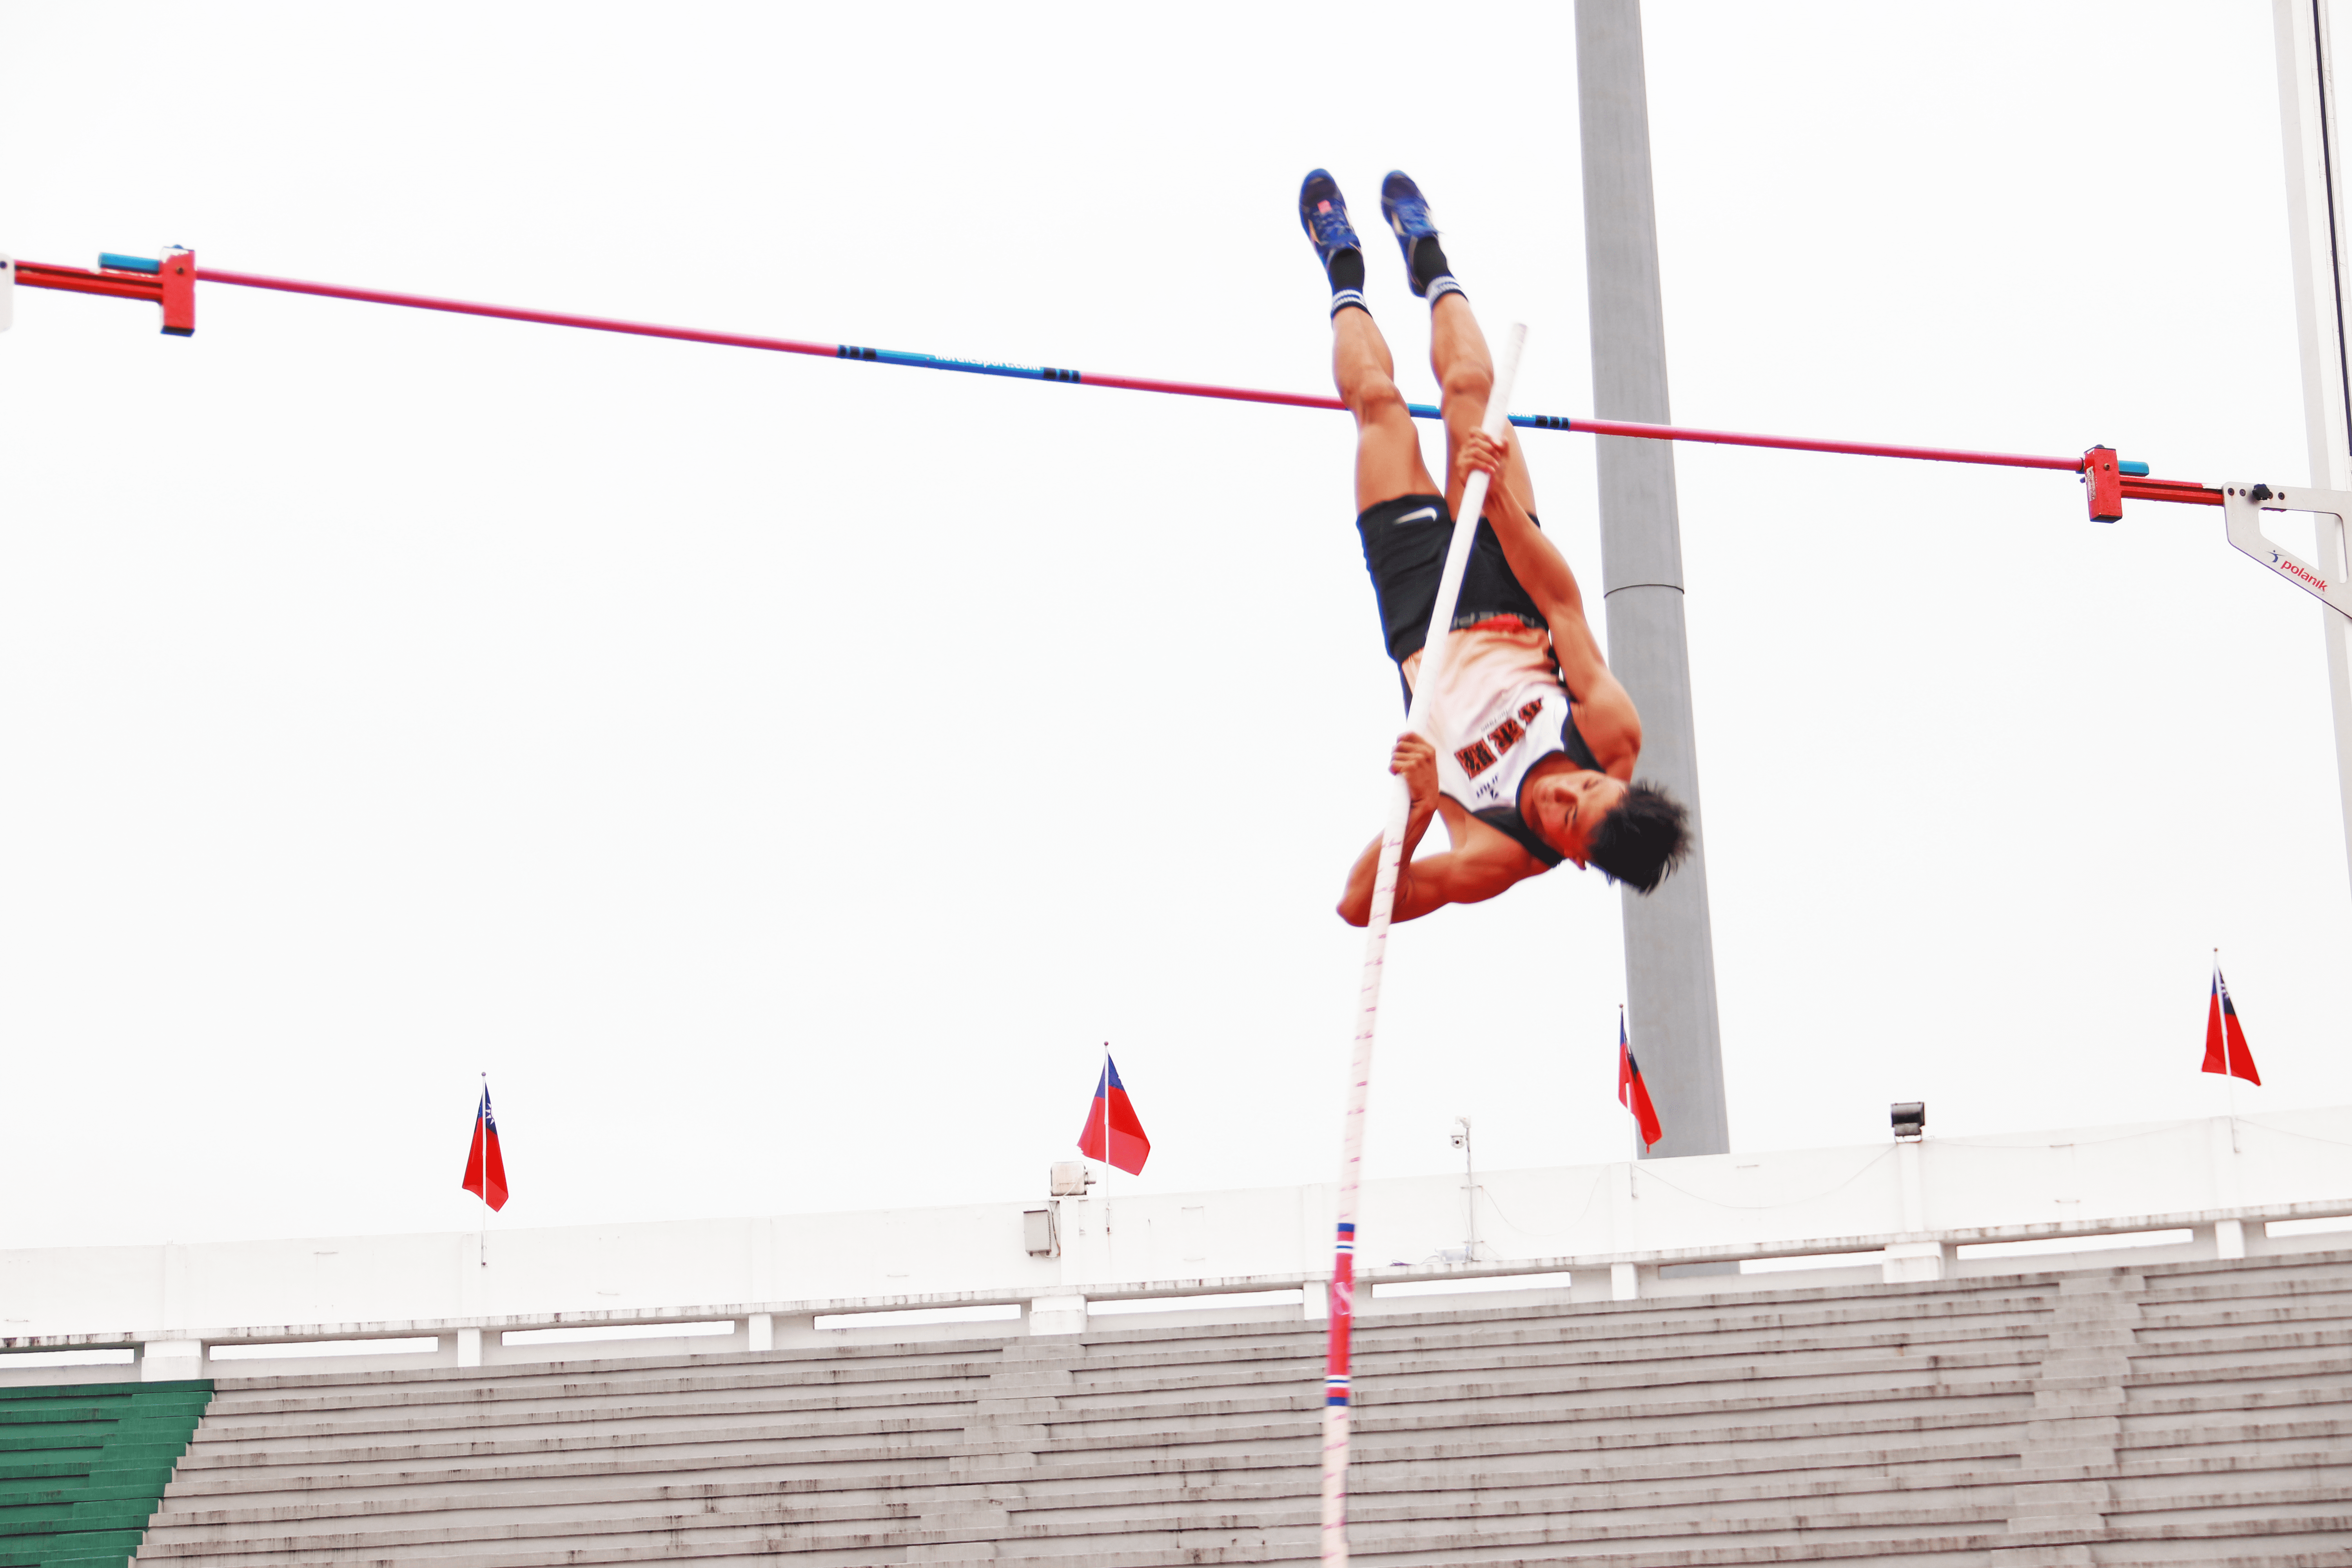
{"points": [[2108, 480], [170, 282]]}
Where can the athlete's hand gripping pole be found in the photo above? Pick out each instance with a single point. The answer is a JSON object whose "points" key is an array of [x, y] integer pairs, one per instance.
{"points": [[1367, 1003]]}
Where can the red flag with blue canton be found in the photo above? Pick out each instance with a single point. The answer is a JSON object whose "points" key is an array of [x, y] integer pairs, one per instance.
{"points": [[486, 1168], [1113, 1131], [2225, 1039], [1631, 1092]]}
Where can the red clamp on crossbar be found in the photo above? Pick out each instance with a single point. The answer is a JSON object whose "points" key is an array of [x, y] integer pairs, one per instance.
{"points": [[170, 282], [2105, 483], [178, 282]]}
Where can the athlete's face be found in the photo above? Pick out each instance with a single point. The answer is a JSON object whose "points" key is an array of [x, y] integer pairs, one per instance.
{"points": [[1569, 806]]}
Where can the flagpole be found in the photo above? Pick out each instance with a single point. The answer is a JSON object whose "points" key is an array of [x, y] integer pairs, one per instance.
{"points": [[1627, 1093], [1106, 1099], [2229, 1066], [482, 1135]]}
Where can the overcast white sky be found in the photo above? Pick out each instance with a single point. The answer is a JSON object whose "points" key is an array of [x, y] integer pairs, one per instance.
{"points": [[782, 775]]}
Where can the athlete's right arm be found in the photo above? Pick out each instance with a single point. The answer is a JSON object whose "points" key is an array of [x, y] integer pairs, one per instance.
{"points": [[1482, 864]]}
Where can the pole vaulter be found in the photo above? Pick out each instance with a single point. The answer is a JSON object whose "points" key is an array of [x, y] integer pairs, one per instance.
{"points": [[1401, 518], [1536, 740]]}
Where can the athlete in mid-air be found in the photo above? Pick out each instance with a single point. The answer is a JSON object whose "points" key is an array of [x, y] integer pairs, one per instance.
{"points": [[1538, 740]]}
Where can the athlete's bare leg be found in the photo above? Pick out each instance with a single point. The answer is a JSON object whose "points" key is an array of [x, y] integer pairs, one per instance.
{"points": [[1466, 375], [1387, 447]]}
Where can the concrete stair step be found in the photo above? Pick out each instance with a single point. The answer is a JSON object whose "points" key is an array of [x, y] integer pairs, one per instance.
{"points": [[1628, 1321], [2159, 1326], [461, 1403], [813, 1438], [2274, 1542], [1431, 1536], [2238, 1504], [589, 1417], [300, 1482], [441, 1386], [1860, 1368], [390, 1506], [2174, 1464], [2014, 1345], [687, 1539], [2321, 1277], [2320, 1376], [1380, 1412], [273, 1472], [2225, 1350], [2007, 1400], [844, 1365], [1591, 1497], [2154, 1411]]}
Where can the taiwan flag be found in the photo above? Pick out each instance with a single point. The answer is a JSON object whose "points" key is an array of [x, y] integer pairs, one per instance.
{"points": [[2225, 1041], [1631, 1092], [1113, 1132], [486, 1168]]}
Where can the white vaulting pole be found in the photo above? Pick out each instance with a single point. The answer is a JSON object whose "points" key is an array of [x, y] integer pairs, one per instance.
{"points": [[1338, 1376]]}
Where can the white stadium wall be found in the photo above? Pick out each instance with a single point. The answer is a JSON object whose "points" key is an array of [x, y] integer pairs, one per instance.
{"points": [[1895, 1211]]}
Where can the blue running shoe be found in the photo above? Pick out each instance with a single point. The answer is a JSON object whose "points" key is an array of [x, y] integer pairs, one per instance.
{"points": [[1323, 213], [1407, 210]]}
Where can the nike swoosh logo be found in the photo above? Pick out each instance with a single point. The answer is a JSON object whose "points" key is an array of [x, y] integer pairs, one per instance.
{"points": [[1427, 513]]}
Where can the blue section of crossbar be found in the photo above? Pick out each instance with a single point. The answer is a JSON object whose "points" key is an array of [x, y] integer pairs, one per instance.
{"points": [[2132, 471], [111, 262], [969, 366], [1525, 421]]}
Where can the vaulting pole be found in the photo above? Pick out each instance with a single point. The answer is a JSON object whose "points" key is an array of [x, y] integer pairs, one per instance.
{"points": [[1342, 1304]]}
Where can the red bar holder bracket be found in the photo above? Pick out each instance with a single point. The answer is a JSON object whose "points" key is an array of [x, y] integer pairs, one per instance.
{"points": [[171, 282], [2104, 481]]}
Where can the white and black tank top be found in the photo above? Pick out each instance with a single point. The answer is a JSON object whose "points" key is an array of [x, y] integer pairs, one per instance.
{"points": [[1500, 709]]}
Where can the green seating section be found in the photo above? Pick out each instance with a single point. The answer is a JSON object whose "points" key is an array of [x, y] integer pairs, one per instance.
{"points": [[83, 1467]]}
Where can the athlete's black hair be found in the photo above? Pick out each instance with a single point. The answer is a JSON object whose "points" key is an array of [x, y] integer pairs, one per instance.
{"points": [[1644, 838]]}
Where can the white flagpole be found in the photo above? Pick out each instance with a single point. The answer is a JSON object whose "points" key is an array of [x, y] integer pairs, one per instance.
{"points": [[2228, 1061], [482, 1136], [1106, 1099], [1625, 1091]]}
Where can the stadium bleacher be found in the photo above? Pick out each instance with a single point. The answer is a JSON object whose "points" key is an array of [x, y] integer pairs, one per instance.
{"points": [[2101, 1412]]}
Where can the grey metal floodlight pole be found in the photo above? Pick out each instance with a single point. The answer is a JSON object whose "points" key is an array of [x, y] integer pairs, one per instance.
{"points": [[2314, 228], [1669, 942]]}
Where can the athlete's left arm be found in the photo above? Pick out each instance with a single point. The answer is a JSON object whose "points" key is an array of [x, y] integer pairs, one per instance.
{"points": [[1605, 713]]}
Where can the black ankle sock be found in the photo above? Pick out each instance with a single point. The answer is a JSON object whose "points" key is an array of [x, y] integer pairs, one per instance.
{"points": [[1428, 261], [1347, 272]]}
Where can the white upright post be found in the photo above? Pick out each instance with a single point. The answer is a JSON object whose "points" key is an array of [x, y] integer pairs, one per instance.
{"points": [[2315, 221]]}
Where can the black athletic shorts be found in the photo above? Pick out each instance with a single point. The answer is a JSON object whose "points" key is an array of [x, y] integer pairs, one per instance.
{"points": [[1404, 550]]}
